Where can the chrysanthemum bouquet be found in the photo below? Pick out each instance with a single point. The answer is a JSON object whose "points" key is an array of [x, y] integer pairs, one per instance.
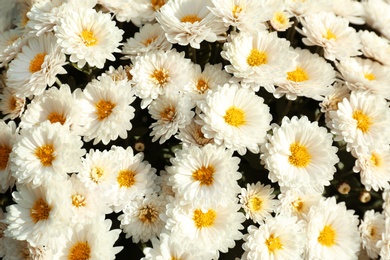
{"points": [[195, 129]]}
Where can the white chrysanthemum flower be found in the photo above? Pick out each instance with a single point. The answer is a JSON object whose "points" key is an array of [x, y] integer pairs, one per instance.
{"points": [[213, 228], [351, 9], [361, 121], [236, 118], [8, 137], [311, 77], [332, 33], [172, 113], [304, 8], [206, 174], [296, 203], [121, 73], [126, 11], [21, 249], [36, 66], [43, 16], [280, 20], [365, 75], [375, 47], [332, 231], [11, 42], [258, 201], [245, 15], [134, 177], [160, 72], [11, 105], [192, 134], [42, 154], [55, 105], [299, 155], [374, 167], [151, 37], [190, 22], [91, 241], [375, 9], [88, 37], [261, 58], [202, 82], [38, 216], [169, 247], [281, 238], [98, 172], [141, 218], [106, 109], [338, 91], [371, 229]]}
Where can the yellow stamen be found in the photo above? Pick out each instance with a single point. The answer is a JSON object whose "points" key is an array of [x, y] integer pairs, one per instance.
{"points": [[168, 114], [298, 75], [202, 86], [202, 220], [78, 200], [148, 214], [5, 150], [236, 11], [300, 156], [235, 116], [40, 210], [257, 58], [273, 244], [363, 121], [190, 19], [376, 159], [125, 178], [329, 35], [327, 236], [149, 41], [369, 76], [280, 17], [205, 175], [55, 117], [88, 38], [80, 251], [103, 108], [255, 203], [157, 4], [36, 62], [45, 154], [160, 77], [298, 205], [96, 173]]}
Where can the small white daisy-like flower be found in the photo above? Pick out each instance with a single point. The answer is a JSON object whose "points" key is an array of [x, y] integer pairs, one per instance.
{"points": [[281, 237], [43, 16], [106, 110], [21, 249], [280, 20], [210, 78], [338, 91], [311, 77], [371, 229], [296, 203], [213, 228], [374, 9], [55, 105], [299, 154], [235, 117], [141, 218], [258, 201], [11, 42], [88, 37], [151, 37], [172, 113], [190, 22], [36, 66], [134, 177], [374, 167], [361, 120], [350, 9], [245, 15], [11, 105], [192, 134], [8, 137], [38, 215], [365, 75], [159, 72], [332, 33], [375, 47], [204, 174], [91, 241], [261, 58], [42, 154]]}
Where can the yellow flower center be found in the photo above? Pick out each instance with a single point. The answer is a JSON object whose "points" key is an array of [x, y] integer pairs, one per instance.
{"points": [[376, 159], [45, 154], [125, 178], [168, 114], [156, 4], [235, 116], [327, 236], [202, 220], [273, 244], [298, 75], [96, 173], [36, 62], [257, 58], [78, 200], [55, 117], [191, 18], [40, 210], [255, 203], [363, 120], [160, 77], [372, 231], [5, 150], [329, 35], [88, 38], [202, 86], [149, 41], [236, 11], [300, 156], [205, 175], [369, 76], [148, 214], [12, 103], [103, 109], [280, 17], [297, 205], [80, 251]]}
